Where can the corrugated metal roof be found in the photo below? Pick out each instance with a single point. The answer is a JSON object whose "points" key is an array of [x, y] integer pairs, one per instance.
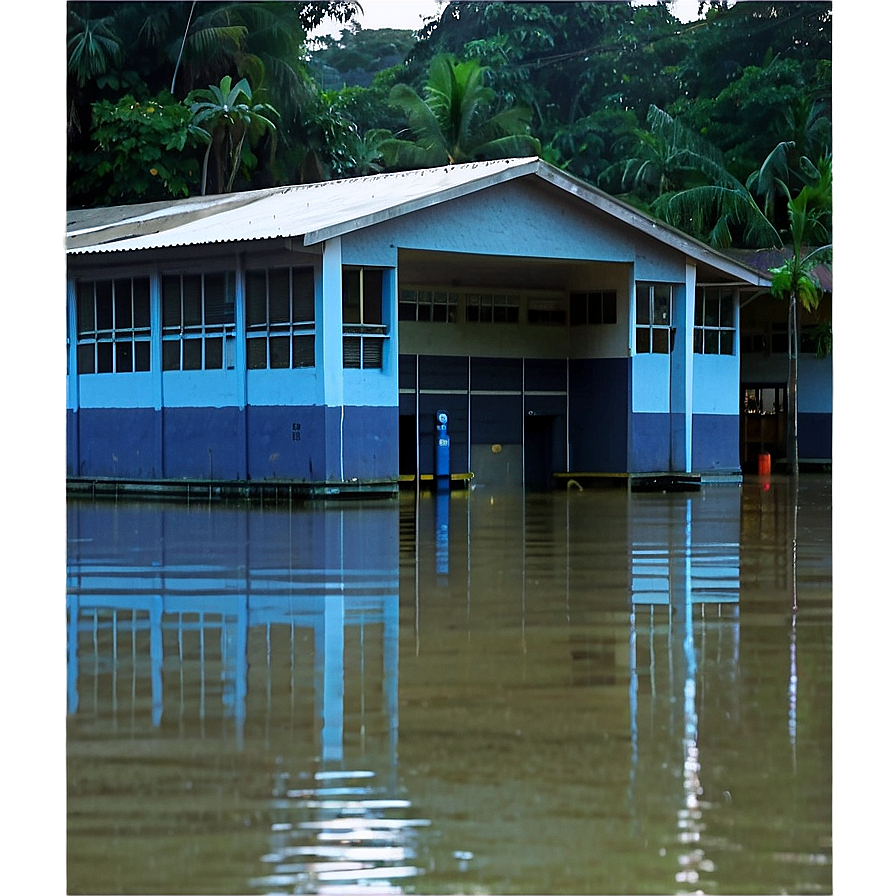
{"points": [[321, 211], [314, 211]]}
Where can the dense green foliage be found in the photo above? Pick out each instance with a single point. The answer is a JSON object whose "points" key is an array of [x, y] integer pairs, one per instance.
{"points": [[714, 125]]}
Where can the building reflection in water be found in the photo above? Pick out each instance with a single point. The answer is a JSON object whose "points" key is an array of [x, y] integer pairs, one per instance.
{"points": [[685, 590], [154, 594]]}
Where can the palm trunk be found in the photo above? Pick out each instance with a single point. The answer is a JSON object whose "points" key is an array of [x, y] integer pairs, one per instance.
{"points": [[793, 350]]}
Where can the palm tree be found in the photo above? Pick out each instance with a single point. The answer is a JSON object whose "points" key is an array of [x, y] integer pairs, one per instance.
{"points": [[227, 115], [794, 281], [453, 124]]}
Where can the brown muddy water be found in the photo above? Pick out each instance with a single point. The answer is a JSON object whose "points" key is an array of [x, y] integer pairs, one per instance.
{"points": [[587, 692]]}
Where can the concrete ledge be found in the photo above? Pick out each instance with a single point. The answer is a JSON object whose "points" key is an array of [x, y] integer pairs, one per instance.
{"points": [[279, 491]]}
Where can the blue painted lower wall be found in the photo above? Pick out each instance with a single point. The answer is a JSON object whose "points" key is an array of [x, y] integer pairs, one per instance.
{"points": [[716, 443], [599, 399], [816, 436], [296, 444], [650, 449]]}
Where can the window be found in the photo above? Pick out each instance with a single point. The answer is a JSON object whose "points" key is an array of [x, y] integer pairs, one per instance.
{"points": [[592, 307], [493, 308], [546, 311], [197, 321], [714, 320], [280, 318], [754, 343], [428, 305], [363, 331], [653, 322], [113, 325]]}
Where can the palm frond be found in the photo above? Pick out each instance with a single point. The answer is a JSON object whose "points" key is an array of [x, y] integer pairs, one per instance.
{"points": [[421, 118]]}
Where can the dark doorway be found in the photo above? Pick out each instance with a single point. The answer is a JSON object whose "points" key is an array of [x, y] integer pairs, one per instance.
{"points": [[539, 444], [763, 424], [407, 445]]}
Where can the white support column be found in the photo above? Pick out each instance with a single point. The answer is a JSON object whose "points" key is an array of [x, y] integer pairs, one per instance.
{"points": [[682, 374], [690, 293], [328, 352], [73, 382], [328, 312]]}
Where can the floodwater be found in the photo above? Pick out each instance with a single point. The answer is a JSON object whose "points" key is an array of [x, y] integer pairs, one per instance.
{"points": [[586, 692]]}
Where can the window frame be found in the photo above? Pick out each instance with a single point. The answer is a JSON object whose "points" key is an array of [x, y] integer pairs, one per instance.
{"points": [[215, 339], [659, 334], [483, 307], [595, 307], [289, 338], [712, 336], [117, 341], [363, 333]]}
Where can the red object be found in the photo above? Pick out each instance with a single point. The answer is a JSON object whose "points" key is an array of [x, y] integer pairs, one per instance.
{"points": [[765, 464]]}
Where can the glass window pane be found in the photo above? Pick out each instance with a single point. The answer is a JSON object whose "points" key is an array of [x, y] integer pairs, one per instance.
{"points": [[141, 356], [698, 341], [726, 343], [86, 358], [662, 304], [256, 298], [351, 297], [214, 353], [278, 296], [578, 308], [171, 354], [642, 299], [661, 341], [141, 302], [726, 314], [642, 340], [712, 308], [192, 294], [171, 316], [711, 342], [303, 351], [217, 308], [373, 296], [85, 308], [595, 307], [407, 311], [124, 317], [280, 351], [303, 295], [192, 354], [104, 305], [257, 353], [609, 308], [104, 357], [124, 356]]}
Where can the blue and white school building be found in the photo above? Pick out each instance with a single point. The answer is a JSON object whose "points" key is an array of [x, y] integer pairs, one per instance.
{"points": [[307, 337]]}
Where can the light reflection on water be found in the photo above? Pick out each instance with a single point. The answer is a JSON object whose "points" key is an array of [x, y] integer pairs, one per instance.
{"points": [[478, 692]]}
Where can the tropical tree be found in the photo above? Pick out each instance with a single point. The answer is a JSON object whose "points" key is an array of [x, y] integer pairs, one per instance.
{"points": [[795, 282], [147, 150], [454, 122], [696, 191], [228, 116]]}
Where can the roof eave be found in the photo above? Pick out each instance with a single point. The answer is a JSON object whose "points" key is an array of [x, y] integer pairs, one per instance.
{"points": [[652, 227]]}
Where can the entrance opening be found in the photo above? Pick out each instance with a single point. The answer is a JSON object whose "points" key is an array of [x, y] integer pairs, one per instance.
{"points": [[539, 436], [407, 445], [763, 424]]}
